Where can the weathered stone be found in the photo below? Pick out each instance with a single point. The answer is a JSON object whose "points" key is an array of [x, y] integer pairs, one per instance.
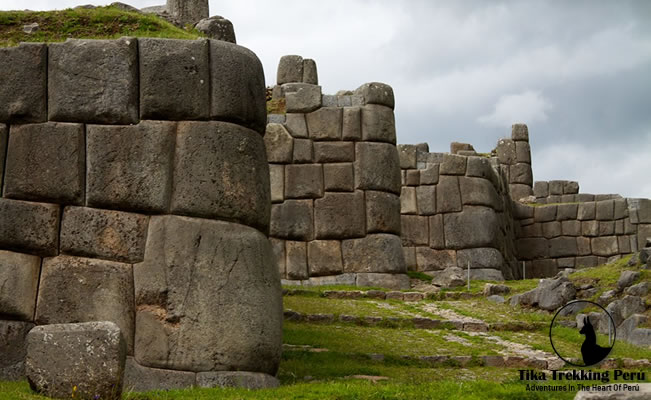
{"points": [[566, 212], [493, 289], [13, 347], [564, 246], [544, 214], [520, 191], [218, 28], [408, 204], [338, 177], [506, 151], [522, 153], [302, 151], [453, 165], [412, 177], [236, 379], [486, 274], [414, 230], [382, 212], [623, 244], [3, 150], [325, 123], [88, 356], [290, 69], [430, 175], [604, 246], [590, 228], [531, 230], [304, 99], [139, 378], [450, 277], [378, 252], [586, 211], [106, 234], [532, 248], [296, 262], [277, 182], [340, 216], [390, 281], [278, 248], [436, 232], [474, 227], [329, 152], [551, 229], [481, 257], [541, 189], [641, 289], [407, 154], [626, 279], [520, 132], [606, 228], [478, 191], [29, 227], [208, 297], [293, 219], [220, 171], [19, 274], [523, 211], [377, 93], [521, 173], [456, 147], [93, 81], [23, 73], [567, 262], [549, 295], [431, 260], [544, 268], [448, 195], [310, 74], [102, 291], [426, 199], [130, 166], [279, 144], [377, 167], [295, 123], [605, 210], [352, 123], [188, 12], [324, 257], [556, 187], [378, 124], [623, 308], [587, 261], [174, 79], [45, 162]]}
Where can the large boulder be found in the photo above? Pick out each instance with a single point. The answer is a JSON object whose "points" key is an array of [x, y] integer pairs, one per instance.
{"points": [[549, 295], [626, 279], [217, 27], [641, 289], [625, 307], [450, 277]]}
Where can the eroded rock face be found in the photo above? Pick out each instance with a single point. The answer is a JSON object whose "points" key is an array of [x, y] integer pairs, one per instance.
{"points": [[217, 27], [197, 309], [188, 11], [549, 295]]}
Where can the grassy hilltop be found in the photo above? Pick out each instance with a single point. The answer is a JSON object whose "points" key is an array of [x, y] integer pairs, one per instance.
{"points": [[98, 23]]}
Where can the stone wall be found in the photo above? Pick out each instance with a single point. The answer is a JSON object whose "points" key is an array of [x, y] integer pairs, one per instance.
{"points": [[136, 191], [335, 182], [548, 192]]}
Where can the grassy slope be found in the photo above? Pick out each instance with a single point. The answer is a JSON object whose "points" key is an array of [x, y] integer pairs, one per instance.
{"points": [[99, 23]]}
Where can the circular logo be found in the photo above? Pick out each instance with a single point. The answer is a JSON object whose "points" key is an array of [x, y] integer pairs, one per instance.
{"points": [[582, 333]]}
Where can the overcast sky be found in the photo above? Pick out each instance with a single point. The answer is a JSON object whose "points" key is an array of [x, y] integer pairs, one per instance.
{"points": [[577, 72]]}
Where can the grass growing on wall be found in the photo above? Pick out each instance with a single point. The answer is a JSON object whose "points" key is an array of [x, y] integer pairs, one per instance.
{"points": [[98, 23]]}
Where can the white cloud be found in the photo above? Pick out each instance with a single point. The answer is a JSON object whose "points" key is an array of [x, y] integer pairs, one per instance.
{"points": [[529, 106]]}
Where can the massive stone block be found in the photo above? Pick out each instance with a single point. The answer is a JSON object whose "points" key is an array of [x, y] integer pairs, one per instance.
{"points": [[188, 12], [453, 165], [293, 219], [130, 167], [605, 210], [544, 213], [111, 235], [521, 173], [408, 202], [414, 230], [290, 69], [237, 86], [506, 151], [296, 125], [310, 74], [380, 252], [46, 162], [29, 227], [23, 93], [340, 216], [478, 191], [481, 257], [541, 189], [352, 125], [377, 167], [605, 246], [522, 152], [19, 275], [217, 27], [378, 124], [338, 177], [220, 171], [448, 195], [325, 123], [102, 291], [279, 144], [139, 378], [174, 79], [474, 227], [329, 152], [586, 211], [564, 246], [13, 347], [93, 81], [303, 181], [426, 199], [377, 93], [79, 360], [432, 260], [277, 182], [324, 257], [407, 154], [382, 212], [302, 151], [296, 261], [306, 98], [436, 232], [532, 248], [208, 298]]}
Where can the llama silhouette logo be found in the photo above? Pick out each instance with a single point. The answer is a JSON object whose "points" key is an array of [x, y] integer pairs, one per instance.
{"points": [[582, 333]]}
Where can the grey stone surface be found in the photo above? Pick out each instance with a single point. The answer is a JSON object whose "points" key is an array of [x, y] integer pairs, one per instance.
{"points": [[46, 162], [436, 232], [532, 248], [102, 291], [237, 86], [408, 202], [325, 123], [324, 257], [426, 199], [544, 268], [407, 154], [29, 227], [586, 211], [304, 99], [450, 277], [430, 175], [378, 124], [13, 347], [506, 151], [523, 153], [296, 125], [218, 28], [626, 279], [303, 181], [453, 165], [23, 93], [4, 132], [478, 191], [556, 187], [139, 378], [208, 297], [130, 167], [605, 210], [566, 212], [550, 229], [520, 132], [279, 144], [493, 289], [188, 12], [93, 81], [290, 69], [106, 234], [474, 227], [377, 167], [544, 213], [414, 230], [19, 275], [310, 74], [604, 246], [590, 228], [448, 195], [277, 182], [338, 177], [641, 289], [380, 252], [329, 152], [296, 262], [382, 212], [377, 93], [174, 79], [352, 123], [220, 171], [303, 151], [340, 216], [390, 281], [623, 308], [87, 356], [564, 246], [480, 257], [236, 379], [520, 191], [549, 295], [293, 219], [432, 260], [541, 189]]}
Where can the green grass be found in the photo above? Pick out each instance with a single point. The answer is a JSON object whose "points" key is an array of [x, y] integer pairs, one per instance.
{"points": [[419, 275], [98, 23], [360, 308]]}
